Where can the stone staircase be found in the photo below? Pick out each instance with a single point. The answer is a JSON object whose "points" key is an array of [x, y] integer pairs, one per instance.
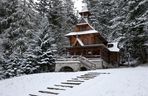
{"points": [[77, 62], [87, 63], [71, 83]]}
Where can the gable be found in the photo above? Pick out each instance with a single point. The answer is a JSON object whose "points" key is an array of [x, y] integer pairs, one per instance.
{"points": [[78, 42]]}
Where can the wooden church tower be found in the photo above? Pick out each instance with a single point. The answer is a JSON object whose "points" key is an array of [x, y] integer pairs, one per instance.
{"points": [[85, 40]]}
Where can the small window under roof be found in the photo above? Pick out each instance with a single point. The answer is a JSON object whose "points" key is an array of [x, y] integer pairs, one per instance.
{"points": [[110, 45]]}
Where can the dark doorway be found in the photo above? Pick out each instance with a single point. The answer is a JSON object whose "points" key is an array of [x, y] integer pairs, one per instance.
{"points": [[66, 69], [83, 69]]}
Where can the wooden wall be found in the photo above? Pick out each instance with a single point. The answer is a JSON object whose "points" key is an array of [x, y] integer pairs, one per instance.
{"points": [[114, 58], [110, 57], [84, 51], [105, 54], [84, 27]]}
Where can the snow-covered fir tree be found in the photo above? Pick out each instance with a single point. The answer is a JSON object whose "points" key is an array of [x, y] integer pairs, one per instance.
{"points": [[123, 21], [19, 27], [61, 19], [136, 21], [129, 27], [15, 24], [42, 50], [27, 34], [101, 14], [30, 32]]}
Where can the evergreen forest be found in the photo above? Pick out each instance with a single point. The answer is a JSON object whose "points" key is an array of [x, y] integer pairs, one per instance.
{"points": [[33, 33]]}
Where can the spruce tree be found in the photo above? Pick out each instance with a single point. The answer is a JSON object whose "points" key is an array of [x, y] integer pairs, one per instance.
{"points": [[137, 20], [60, 18], [123, 21], [17, 26]]}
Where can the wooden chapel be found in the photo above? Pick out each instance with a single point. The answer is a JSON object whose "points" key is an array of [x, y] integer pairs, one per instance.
{"points": [[85, 40], [88, 42]]}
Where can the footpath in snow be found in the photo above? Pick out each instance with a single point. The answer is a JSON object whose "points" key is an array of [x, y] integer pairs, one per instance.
{"points": [[105, 82]]}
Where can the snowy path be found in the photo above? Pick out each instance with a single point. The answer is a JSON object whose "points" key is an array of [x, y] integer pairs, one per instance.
{"points": [[120, 82], [70, 83]]}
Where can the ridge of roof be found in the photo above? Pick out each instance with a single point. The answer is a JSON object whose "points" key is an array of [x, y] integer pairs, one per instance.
{"points": [[82, 32]]}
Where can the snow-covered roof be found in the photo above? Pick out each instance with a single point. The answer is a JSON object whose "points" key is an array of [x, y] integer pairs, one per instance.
{"points": [[114, 48], [82, 32], [82, 23], [84, 8], [146, 44]]}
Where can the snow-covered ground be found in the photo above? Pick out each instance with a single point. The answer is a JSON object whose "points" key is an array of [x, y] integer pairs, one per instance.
{"points": [[120, 82]]}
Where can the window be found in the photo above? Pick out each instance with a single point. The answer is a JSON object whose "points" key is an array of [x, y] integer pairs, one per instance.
{"points": [[110, 45]]}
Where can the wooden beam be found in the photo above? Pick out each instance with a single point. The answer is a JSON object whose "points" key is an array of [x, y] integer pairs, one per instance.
{"points": [[74, 42]]}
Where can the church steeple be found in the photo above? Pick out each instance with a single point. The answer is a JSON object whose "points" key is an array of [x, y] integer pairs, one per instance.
{"points": [[85, 13]]}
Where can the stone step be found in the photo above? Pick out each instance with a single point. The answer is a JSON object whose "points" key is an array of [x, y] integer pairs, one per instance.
{"points": [[84, 77], [87, 75], [92, 73], [53, 88], [63, 86], [70, 83], [48, 92], [74, 78], [75, 81], [33, 95]]}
